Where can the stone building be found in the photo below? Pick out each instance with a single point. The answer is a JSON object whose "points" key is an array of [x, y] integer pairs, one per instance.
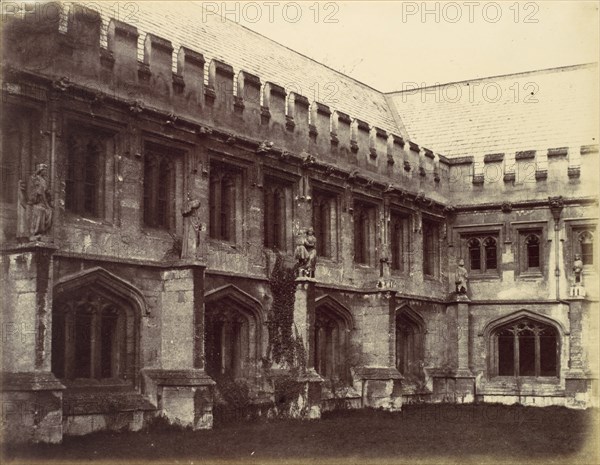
{"points": [[158, 187]]}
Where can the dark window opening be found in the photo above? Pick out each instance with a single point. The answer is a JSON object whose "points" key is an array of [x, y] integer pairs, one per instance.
{"points": [[84, 175], [19, 147], [490, 253], [224, 188], [430, 248], [399, 241], [586, 244], [506, 354], [526, 348], [364, 232], [532, 243], [230, 340], [159, 189], [324, 218], [275, 215], [483, 254], [93, 338], [10, 158], [475, 254], [409, 345], [331, 342]]}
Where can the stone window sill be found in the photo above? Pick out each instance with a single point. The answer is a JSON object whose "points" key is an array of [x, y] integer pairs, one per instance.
{"points": [[72, 219], [484, 277]]}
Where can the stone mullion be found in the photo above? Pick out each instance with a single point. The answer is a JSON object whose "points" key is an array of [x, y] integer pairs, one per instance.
{"points": [[516, 352], [224, 346], [494, 355], [237, 349], [216, 192], [95, 339], [536, 332], [69, 343]]}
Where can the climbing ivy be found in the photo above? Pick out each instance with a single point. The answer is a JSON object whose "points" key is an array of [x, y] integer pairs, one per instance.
{"points": [[285, 345]]}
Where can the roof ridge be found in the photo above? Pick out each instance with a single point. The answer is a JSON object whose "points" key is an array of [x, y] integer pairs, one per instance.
{"points": [[485, 78]]}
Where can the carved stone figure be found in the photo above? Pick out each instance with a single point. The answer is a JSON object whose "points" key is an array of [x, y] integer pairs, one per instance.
{"points": [[461, 277], [578, 269], [306, 253], [191, 215], [38, 202]]}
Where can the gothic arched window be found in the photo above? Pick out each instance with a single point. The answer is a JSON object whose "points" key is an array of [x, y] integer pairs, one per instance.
{"points": [[364, 232], [399, 241], [483, 254], [331, 342], [474, 254], [276, 195], [525, 348], [94, 336], [159, 187], [324, 221], [409, 344], [232, 337], [490, 251], [431, 248], [225, 186], [586, 246], [84, 181]]}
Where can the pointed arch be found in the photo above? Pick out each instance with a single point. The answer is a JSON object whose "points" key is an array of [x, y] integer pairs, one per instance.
{"points": [[339, 309], [333, 323], [102, 279], [232, 332], [407, 311], [95, 328], [522, 344], [241, 298], [523, 313], [409, 331]]}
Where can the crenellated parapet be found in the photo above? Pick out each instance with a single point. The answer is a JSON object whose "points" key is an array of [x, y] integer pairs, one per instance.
{"points": [[183, 88], [570, 171]]}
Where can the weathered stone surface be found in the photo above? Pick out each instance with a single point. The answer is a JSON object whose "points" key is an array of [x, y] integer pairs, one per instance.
{"points": [[391, 328]]}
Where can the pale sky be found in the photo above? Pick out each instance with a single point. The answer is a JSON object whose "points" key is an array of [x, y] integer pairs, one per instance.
{"points": [[388, 44]]}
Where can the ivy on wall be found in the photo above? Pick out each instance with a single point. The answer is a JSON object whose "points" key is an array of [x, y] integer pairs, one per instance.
{"points": [[286, 346]]}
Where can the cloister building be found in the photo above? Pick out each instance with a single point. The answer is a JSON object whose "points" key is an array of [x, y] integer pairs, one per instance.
{"points": [[159, 180]]}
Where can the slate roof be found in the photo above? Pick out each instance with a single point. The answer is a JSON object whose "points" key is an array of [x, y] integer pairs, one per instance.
{"points": [[476, 117], [501, 115], [183, 24]]}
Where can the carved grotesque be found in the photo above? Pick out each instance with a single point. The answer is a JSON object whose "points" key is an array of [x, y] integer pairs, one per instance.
{"points": [[191, 214], [306, 253], [264, 147], [37, 201], [461, 277], [578, 269]]}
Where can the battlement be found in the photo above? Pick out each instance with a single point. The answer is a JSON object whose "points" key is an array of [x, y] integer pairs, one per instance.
{"points": [[209, 93], [144, 71], [558, 170]]}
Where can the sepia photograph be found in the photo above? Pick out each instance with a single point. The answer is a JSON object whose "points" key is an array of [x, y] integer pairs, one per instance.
{"points": [[299, 232]]}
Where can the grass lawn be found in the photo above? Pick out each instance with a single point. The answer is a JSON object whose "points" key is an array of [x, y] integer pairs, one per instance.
{"points": [[423, 434]]}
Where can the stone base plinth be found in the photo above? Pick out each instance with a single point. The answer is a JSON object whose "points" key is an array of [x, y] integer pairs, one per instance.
{"points": [[379, 387], [298, 396], [184, 397], [32, 408], [458, 387]]}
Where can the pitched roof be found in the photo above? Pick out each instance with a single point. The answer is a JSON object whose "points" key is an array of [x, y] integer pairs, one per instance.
{"points": [[215, 37], [537, 110]]}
